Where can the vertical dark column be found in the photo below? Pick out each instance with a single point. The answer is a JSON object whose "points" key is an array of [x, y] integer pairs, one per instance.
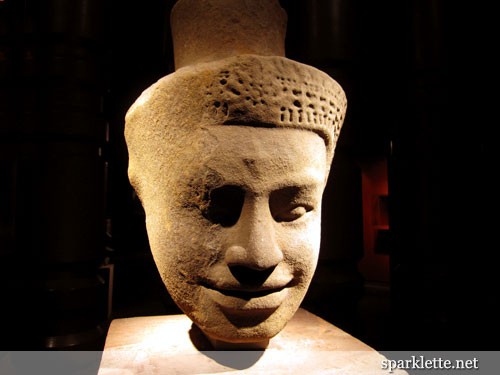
{"points": [[55, 134], [416, 167], [418, 134], [443, 265], [141, 54]]}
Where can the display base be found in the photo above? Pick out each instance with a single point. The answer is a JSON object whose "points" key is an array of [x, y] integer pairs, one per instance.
{"points": [[170, 345]]}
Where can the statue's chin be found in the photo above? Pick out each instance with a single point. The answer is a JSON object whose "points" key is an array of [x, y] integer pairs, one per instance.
{"points": [[204, 341], [250, 332]]}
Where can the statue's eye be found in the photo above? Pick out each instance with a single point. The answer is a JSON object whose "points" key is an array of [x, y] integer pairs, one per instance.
{"points": [[224, 205], [293, 213], [288, 204]]}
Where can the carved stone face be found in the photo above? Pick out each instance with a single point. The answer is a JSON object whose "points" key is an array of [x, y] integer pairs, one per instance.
{"points": [[236, 233]]}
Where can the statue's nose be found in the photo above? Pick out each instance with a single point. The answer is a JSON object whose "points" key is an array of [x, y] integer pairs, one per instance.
{"points": [[254, 244]]}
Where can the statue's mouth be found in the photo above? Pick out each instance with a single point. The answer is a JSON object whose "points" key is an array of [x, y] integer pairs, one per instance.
{"points": [[245, 294], [241, 300]]}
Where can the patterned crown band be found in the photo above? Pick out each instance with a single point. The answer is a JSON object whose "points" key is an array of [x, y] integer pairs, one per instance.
{"points": [[248, 90]]}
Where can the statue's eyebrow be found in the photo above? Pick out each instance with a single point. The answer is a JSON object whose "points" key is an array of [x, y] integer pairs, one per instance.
{"points": [[298, 189], [305, 182]]}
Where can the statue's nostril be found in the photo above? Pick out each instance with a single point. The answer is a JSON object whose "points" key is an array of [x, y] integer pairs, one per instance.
{"points": [[250, 277]]}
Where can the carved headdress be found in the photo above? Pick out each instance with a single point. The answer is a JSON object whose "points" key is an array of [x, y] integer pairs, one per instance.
{"points": [[231, 70]]}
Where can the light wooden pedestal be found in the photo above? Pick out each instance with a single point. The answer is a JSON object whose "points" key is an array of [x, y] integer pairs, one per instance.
{"points": [[162, 345]]}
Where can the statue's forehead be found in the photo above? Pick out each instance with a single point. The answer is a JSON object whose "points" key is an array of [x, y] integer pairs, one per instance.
{"points": [[255, 139], [266, 155]]}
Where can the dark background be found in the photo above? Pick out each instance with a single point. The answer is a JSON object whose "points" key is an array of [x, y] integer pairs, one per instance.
{"points": [[417, 75]]}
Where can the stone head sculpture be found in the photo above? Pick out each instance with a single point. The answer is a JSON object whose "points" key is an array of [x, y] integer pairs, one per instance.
{"points": [[229, 156]]}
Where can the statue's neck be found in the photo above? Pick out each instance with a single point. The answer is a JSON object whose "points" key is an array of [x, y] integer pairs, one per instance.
{"points": [[204, 342], [224, 345]]}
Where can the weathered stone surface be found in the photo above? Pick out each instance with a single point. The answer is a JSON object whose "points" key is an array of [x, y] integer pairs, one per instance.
{"points": [[209, 30], [307, 345], [246, 90], [230, 158]]}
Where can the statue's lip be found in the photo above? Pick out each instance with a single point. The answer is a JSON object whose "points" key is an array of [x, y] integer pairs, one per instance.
{"points": [[247, 300], [246, 293]]}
